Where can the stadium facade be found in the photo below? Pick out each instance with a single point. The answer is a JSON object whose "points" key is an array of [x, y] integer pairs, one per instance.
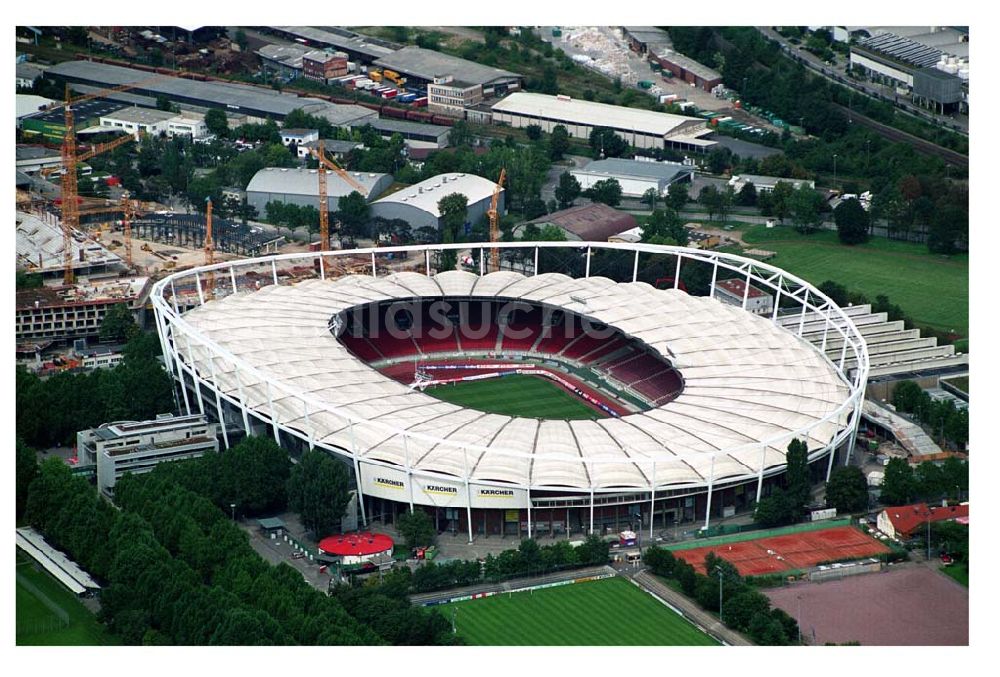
{"points": [[260, 345]]}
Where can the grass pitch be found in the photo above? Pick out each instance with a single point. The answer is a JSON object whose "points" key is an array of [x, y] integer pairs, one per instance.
{"points": [[517, 395], [932, 289], [610, 612], [38, 625]]}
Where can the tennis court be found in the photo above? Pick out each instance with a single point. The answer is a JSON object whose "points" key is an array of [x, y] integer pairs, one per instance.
{"points": [[775, 554]]}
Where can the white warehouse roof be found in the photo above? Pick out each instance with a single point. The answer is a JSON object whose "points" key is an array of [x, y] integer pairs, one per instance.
{"points": [[747, 382], [426, 194], [591, 113], [298, 181]]}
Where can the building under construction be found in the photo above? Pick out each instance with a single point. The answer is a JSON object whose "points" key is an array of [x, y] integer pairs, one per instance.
{"points": [[65, 313], [188, 230], [40, 249]]}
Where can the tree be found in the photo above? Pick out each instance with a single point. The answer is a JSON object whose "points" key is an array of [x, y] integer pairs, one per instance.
{"points": [[743, 606], [773, 510], [118, 324], [217, 123], [534, 132], [852, 222], [677, 195], [747, 196], [567, 190], [663, 226], [651, 197], [558, 142], [26, 471], [416, 528], [711, 199], [460, 135], [797, 477], [718, 160], [898, 484], [319, 490], [805, 205], [606, 191], [605, 143], [163, 103], [779, 199], [353, 210], [241, 39], [847, 490]]}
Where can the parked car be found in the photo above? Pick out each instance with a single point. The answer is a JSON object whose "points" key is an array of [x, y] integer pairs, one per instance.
{"points": [[946, 559], [298, 555]]}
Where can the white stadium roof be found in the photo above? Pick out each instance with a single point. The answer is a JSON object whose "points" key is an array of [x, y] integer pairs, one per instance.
{"points": [[426, 194], [747, 381]]}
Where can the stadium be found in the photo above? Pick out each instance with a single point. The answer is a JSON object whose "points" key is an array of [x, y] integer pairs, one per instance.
{"points": [[666, 406]]}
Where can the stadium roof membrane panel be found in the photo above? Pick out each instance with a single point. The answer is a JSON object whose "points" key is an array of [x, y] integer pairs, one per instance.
{"points": [[747, 381]]}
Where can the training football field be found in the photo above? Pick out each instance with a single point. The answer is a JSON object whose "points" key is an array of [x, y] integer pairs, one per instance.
{"points": [[609, 612], [517, 395], [48, 614]]}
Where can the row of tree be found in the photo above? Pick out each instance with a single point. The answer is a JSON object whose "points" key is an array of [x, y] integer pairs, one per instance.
{"points": [[903, 484], [941, 416], [176, 570], [528, 559], [744, 608], [50, 411]]}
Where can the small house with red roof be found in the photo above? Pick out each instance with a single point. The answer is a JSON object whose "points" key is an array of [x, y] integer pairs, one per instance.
{"points": [[903, 521]]}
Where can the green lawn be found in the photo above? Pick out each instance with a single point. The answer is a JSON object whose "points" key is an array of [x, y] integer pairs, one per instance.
{"points": [[960, 572], [932, 289], [610, 612], [518, 395], [37, 625]]}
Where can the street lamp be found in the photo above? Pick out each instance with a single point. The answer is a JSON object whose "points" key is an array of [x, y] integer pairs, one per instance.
{"points": [[718, 570], [232, 507], [835, 168], [798, 617]]}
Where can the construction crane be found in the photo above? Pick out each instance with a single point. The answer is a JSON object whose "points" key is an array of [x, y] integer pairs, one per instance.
{"points": [[70, 208], [494, 215], [326, 163], [127, 226], [209, 249]]}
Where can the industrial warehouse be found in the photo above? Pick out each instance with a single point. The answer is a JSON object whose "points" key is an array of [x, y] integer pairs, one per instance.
{"points": [[255, 102], [418, 204], [640, 128], [300, 186]]}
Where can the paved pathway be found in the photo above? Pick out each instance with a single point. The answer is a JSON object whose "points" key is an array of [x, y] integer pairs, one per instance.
{"points": [[690, 609], [513, 584]]}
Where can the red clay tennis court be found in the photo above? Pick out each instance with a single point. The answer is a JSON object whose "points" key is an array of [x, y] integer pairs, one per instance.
{"points": [[790, 551]]}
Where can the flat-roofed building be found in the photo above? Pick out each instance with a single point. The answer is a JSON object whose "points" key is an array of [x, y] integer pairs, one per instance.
{"points": [[134, 120], [639, 128], [324, 66], [361, 48], [298, 136], [453, 84], [187, 124], [257, 103], [139, 446], [767, 183], [634, 176], [735, 292], [337, 148], [301, 187], [415, 134]]}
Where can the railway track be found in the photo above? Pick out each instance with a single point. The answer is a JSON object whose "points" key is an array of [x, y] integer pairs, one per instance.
{"points": [[952, 157]]}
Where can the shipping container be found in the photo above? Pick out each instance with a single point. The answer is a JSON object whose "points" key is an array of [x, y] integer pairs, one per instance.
{"points": [[556, 33], [645, 84]]}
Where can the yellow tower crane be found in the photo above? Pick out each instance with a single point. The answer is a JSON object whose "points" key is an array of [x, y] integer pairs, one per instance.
{"points": [[326, 163], [494, 215]]}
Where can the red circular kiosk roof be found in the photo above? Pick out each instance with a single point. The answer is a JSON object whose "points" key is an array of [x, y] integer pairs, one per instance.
{"points": [[365, 543]]}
